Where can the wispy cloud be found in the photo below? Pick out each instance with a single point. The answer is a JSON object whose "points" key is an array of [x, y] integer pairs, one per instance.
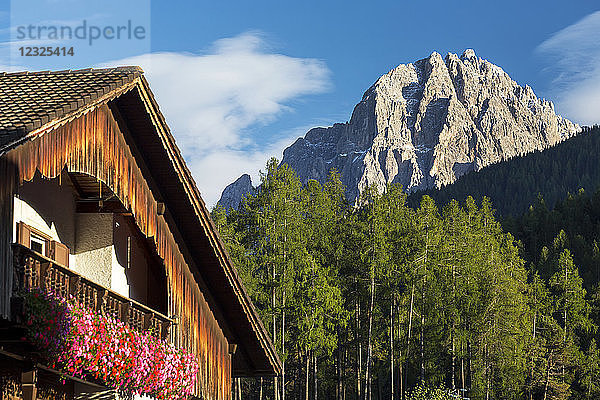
{"points": [[211, 99], [218, 168], [573, 56]]}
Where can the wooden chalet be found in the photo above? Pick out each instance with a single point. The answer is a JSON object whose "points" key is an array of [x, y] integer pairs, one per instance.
{"points": [[96, 202]]}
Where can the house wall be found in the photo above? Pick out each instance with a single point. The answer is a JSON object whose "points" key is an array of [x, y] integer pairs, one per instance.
{"points": [[97, 241], [132, 256], [96, 136], [93, 252], [47, 206]]}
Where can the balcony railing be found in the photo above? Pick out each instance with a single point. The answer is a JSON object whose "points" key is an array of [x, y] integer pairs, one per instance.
{"points": [[33, 270]]}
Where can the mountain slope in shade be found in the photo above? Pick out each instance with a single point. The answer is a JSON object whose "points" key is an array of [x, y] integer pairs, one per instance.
{"points": [[235, 191], [425, 124]]}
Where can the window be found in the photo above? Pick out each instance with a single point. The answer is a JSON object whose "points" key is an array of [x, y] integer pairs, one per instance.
{"points": [[38, 243], [41, 243]]}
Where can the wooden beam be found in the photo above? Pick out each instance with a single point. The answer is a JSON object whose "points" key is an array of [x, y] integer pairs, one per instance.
{"points": [[106, 206], [148, 317]]}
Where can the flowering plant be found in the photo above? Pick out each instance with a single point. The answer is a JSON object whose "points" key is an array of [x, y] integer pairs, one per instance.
{"points": [[48, 321], [85, 343]]}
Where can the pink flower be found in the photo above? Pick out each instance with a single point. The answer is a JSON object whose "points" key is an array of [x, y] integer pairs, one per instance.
{"points": [[104, 347]]}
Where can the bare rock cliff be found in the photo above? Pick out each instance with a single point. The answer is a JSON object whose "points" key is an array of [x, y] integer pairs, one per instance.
{"points": [[427, 123]]}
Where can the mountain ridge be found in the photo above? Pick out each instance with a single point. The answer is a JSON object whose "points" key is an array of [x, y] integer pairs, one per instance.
{"points": [[425, 124]]}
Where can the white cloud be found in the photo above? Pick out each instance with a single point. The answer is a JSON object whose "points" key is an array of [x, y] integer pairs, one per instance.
{"points": [[226, 164], [210, 99], [573, 54]]}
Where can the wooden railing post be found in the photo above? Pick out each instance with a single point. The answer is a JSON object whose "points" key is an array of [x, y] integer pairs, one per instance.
{"points": [[43, 269], [18, 269], [28, 385], [34, 276], [147, 322], [125, 306], [100, 299], [164, 330], [74, 282]]}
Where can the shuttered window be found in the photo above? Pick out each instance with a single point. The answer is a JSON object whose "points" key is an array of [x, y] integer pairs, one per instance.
{"points": [[39, 242]]}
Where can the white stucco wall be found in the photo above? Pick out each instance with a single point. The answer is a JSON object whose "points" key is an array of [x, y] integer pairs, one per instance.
{"points": [[95, 256], [93, 248]]}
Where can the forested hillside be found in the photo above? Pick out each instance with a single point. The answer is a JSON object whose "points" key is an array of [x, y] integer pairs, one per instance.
{"points": [[574, 222], [514, 185], [382, 301]]}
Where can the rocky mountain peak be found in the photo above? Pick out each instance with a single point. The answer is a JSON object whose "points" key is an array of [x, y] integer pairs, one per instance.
{"points": [[424, 124], [467, 54], [234, 192]]}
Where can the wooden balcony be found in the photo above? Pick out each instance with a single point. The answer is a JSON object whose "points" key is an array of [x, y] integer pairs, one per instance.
{"points": [[33, 270]]}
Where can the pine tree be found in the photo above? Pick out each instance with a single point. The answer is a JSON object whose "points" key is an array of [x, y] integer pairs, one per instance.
{"points": [[591, 372]]}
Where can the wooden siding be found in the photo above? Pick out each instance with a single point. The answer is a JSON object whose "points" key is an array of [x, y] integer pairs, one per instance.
{"points": [[7, 189], [93, 144]]}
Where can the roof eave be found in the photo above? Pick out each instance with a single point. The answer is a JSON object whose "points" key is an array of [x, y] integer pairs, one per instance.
{"points": [[218, 246]]}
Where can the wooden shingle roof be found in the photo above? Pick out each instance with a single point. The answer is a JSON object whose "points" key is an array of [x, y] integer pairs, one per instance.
{"points": [[28, 100]]}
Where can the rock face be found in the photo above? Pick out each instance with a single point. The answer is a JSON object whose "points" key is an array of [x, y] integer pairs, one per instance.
{"points": [[427, 123], [233, 193]]}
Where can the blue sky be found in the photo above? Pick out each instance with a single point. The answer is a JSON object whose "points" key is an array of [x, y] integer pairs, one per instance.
{"points": [[239, 80]]}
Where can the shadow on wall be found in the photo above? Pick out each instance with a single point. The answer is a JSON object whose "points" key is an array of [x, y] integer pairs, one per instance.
{"points": [[106, 248], [53, 203]]}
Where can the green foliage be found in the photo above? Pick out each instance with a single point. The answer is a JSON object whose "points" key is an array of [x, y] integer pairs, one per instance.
{"points": [[591, 372], [422, 392], [574, 223], [362, 302]]}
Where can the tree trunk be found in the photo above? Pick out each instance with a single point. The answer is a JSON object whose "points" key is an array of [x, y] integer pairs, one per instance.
{"points": [[469, 368], [273, 302], [422, 339], [532, 360], [283, 347], [369, 339], [307, 384], [565, 311], [338, 367], [486, 371], [453, 386], [565, 317], [358, 352], [315, 377], [344, 363], [547, 378], [401, 376], [422, 336], [409, 333], [392, 306], [462, 373], [260, 392]]}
